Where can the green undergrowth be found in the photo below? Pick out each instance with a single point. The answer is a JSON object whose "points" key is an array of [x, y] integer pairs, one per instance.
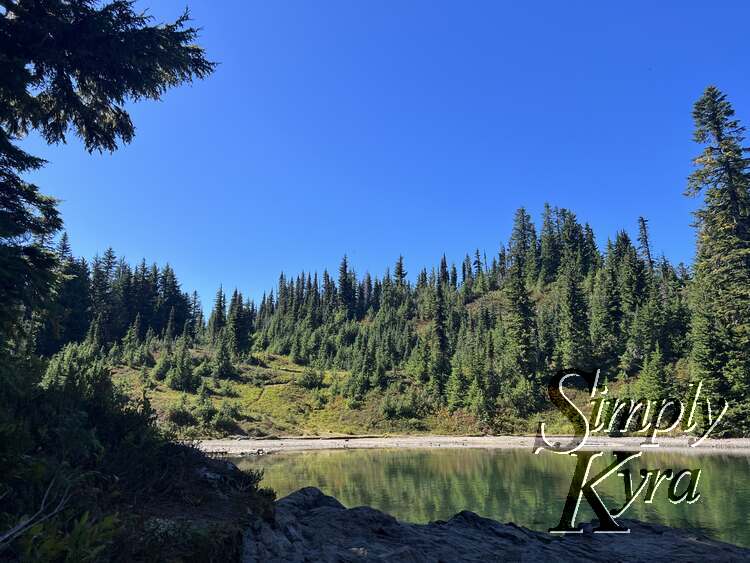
{"points": [[88, 475], [271, 396]]}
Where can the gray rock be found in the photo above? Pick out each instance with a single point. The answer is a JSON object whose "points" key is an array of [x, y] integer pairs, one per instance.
{"points": [[310, 526]]}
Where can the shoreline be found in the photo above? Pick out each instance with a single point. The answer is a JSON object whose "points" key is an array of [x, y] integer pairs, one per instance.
{"points": [[240, 446], [308, 525]]}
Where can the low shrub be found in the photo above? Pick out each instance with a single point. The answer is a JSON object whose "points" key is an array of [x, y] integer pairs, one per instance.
{"points": [[162, 367], [225, 419], [180, 414], [310, 379]]}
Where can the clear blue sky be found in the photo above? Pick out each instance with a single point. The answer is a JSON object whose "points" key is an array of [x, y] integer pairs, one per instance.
{"points": [[418, 127]]}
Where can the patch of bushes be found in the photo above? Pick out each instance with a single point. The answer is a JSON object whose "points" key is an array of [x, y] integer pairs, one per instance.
{"points": [[203, 414], [319, 399], [225, 419], [399, 403], [180, 414], [86, 452], [162, 367], [226, 389], [310, 379], [203, 369], [204, 409], [181, 376]]}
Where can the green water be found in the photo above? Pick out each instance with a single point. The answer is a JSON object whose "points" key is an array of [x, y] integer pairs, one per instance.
{"points": [[508, 485]]}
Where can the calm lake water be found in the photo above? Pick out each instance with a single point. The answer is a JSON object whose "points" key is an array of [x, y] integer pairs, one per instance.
{"points": [[508, 485]]}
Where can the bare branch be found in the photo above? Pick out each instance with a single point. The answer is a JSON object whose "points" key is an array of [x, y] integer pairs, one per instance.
{"points": [[41, 515]]}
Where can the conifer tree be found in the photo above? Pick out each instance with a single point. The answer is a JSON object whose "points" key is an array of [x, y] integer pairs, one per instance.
{"points": [[181, 376], [94, 334], [68, 67], [644, 243], [440, 360], [477, 264], [196, 315], [653, 383], [64, 251], [455, 390], [162, 367], [606, 317], [443, 276], [573, 345], [467, 275], [476, 400], [346, 288], [549, 257], [217, 320], [236, 339], [630, 275], [522, 245], [520, 350], [69, 312], [222, 367], [101, 292], [418, 365], [170, 329], [720, 295], [591, 257], [131, 342], [399, 273], [641, 334]]}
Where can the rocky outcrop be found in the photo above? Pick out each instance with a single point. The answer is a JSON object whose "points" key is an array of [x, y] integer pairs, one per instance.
{"points": [[310, 526]]}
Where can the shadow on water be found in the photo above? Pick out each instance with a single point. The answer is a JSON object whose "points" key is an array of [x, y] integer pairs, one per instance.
{"points": [[507, 485]]}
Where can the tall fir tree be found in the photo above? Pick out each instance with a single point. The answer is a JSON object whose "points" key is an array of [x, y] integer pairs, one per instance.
{"points": [[346, 291], [440, 360], [549, 248], [720, 299], [644, 243], [654, 383], [573, 345], [606, 318], [218, 318], [399, 273], [520, 350], [221, 364]]}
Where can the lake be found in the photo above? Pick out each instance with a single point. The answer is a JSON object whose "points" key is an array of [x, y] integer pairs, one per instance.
{"points": [[508, 485]]}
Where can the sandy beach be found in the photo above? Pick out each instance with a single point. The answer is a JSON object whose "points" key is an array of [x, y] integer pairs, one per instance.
{"points": [[241, 446]]}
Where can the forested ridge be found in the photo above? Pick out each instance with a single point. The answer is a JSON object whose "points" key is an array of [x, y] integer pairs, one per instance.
{"points": [[482, 336]]}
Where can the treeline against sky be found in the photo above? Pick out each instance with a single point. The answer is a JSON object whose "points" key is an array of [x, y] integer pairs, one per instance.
{"points": [[483, 335]]}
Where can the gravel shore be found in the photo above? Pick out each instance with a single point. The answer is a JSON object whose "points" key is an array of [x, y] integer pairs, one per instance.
{"points": [[242, 446]]}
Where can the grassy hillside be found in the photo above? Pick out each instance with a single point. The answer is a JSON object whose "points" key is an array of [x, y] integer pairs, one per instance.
{"points": [[269, 397], [266, 399]]}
